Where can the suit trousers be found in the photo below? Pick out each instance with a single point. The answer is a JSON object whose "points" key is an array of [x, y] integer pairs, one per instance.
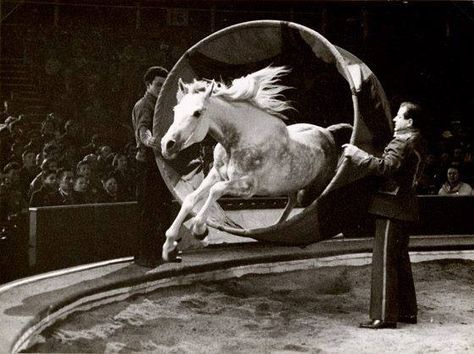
{"points": [[392, 287], [154, 210]]}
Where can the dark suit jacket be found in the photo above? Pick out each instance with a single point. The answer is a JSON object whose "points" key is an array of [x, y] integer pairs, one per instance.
{"points": [[45, 197], [399, 166]]}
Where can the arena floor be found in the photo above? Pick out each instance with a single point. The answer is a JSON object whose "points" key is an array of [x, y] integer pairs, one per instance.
{"points": [[310, 311], [329, 298]]}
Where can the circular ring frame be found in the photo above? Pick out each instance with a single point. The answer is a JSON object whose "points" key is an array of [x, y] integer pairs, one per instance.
{"points": [[254, 42]]}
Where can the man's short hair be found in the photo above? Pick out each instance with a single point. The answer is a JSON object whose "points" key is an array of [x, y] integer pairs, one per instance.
{"points": [[46, 173], [413, 112], [47, 162], [82, 163], [50, 148], [62, 171], [108, 175], [11, 166], [27, 151], [153, 72]]}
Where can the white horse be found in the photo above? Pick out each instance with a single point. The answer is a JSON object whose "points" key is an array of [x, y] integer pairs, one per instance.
{"points": [[256, 154]]}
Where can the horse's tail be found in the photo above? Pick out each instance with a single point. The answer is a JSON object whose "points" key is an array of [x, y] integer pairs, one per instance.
{"points": [[341, 133]]}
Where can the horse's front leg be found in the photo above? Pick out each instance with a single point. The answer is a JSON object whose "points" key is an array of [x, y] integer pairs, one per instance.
{"points": [[289, 207], [172, 234], [241, 187]]}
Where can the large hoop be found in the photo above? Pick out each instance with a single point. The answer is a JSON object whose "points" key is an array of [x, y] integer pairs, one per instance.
{"points": [[247, 47]]}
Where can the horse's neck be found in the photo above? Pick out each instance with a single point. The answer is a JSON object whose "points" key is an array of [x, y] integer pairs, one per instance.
{"points": [[232, 120], [224, 126]]}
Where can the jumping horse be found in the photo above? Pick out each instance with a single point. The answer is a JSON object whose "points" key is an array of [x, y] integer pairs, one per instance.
{"points": [[256, 152]]}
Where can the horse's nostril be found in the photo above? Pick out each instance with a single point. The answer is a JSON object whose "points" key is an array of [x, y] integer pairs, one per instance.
{"points": [[170, 144]]}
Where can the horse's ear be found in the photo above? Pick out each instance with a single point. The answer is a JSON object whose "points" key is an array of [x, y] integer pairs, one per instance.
{"points": [[182, 86], [182, 90], [209, 90]]}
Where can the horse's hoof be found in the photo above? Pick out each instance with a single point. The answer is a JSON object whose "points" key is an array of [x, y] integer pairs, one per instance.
{"points": [[167, 250], [200, 231], [173, 256], [202, 236]]}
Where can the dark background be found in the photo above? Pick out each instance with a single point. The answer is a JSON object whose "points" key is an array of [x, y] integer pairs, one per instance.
{"points": [[85, 59]]}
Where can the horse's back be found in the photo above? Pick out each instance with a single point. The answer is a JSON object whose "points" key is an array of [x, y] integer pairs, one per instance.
{"points": [[311, 135]]}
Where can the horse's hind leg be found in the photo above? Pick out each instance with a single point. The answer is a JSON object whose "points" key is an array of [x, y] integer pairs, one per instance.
{"points": [[289, 207], [172, 234]]}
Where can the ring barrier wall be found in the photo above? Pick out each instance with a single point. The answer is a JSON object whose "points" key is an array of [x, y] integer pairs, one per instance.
{"points": [[330, 86], [58, 237], [66, 236]]}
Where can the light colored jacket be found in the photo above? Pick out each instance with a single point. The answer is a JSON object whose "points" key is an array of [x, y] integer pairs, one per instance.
{"points": [[142, 116]]}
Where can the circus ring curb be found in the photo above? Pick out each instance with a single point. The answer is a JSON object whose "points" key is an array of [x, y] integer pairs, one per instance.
{"points": [[32, 304]]}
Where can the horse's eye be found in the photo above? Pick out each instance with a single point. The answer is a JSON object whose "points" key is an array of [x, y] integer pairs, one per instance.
{"points": [[197, 114]]}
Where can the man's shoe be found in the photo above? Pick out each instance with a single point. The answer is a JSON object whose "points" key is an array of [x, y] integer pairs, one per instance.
{"points": [[378, 324], [411, 319]]}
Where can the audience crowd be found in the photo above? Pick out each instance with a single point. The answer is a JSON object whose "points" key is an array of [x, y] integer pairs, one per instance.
{"points": [[448, 167], [54, 162]]}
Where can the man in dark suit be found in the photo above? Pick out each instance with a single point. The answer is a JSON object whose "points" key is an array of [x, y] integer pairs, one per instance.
{"points": [[393, 297], [153, 196]]}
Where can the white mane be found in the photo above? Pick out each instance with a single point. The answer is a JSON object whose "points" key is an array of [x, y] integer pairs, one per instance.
{"points": [[259, 88]]}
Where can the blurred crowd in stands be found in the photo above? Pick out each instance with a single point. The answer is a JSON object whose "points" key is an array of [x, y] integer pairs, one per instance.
{"points": [[55, 162], [449, 165]]}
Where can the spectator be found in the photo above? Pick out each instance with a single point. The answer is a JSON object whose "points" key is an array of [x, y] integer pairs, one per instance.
{"points": [[91, 159], [49, 131], [458, 157], [5, 113], [110, 192], [444, 161], [82, 194], [11, 199], [92, 147], [130, 151], [47, 194], [16, 152], [71, 134], [12, 171], [104, 160], [34, 142], [66, 186], [28, 171], [16, 133], [84, 169], [468, 170], [48, 164], [57, 121], [70, 155], [124, 176], [50, 150], [454, 185], [5, 145], [7, 139], [430, 179]]}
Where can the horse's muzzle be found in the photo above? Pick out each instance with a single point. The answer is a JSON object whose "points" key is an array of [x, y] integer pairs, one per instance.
{"points": [[169, 148]]}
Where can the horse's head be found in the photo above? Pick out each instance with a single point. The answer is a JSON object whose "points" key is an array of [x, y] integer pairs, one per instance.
{"points": [[190, 122]]}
